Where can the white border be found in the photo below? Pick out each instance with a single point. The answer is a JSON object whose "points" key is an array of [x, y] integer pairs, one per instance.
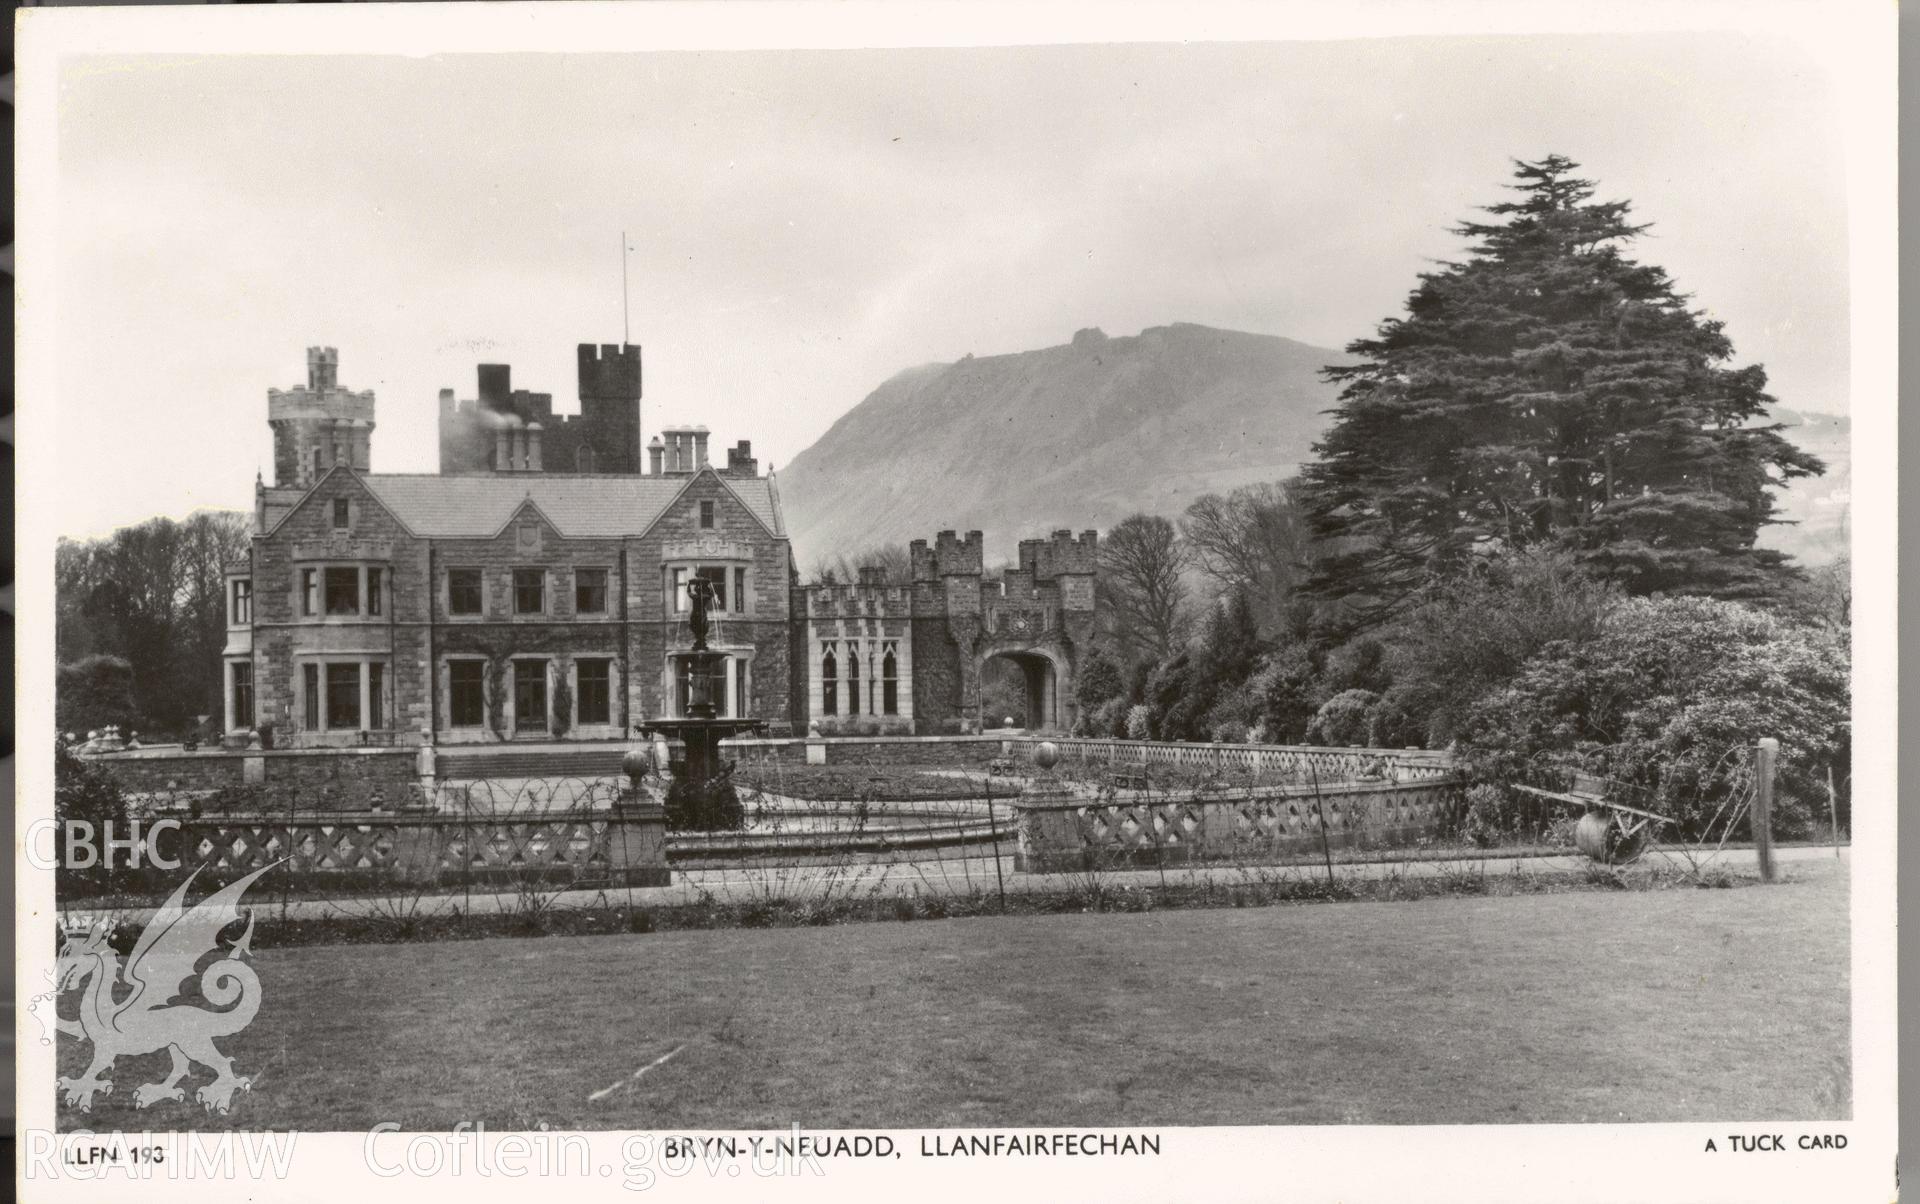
{"points": [[1352, 1163]]}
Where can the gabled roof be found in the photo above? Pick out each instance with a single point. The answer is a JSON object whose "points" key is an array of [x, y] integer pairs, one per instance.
{"points": [[577, 505], [294, 497]]}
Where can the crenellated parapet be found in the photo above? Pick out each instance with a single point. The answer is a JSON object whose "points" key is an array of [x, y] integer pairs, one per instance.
{"points": [[1061, 554], [320, 425]]}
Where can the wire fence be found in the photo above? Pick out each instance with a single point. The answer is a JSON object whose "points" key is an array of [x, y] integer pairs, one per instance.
{"points": [[471, 855]]}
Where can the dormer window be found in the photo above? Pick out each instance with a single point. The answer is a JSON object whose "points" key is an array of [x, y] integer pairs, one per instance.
{"points": [[342, 514]]}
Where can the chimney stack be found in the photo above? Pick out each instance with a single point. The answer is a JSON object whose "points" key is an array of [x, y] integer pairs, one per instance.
{"points": [[655, 450], [502, 450], [740, 461], [533, 447], [699, 448]]}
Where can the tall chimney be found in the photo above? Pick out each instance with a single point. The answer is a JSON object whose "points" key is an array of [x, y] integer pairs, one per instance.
{"points": [[533, 447], [699, 448], [502, 452], [519, 448], [655, 450]]}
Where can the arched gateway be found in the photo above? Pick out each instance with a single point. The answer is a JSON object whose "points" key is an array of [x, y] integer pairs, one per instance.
{"points": [[889, 654]]}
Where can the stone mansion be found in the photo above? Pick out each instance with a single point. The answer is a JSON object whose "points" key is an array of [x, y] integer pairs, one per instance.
{"points": [[536, 587]]}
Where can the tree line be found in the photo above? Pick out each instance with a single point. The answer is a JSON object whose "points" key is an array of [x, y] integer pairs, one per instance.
{"points": [[140, 621]]}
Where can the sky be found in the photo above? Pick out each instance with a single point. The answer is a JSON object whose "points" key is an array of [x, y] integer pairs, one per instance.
{"points": [[802, 225]]}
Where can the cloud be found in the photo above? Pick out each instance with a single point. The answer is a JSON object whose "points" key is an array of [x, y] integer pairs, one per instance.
{"points": [[804, 225]]}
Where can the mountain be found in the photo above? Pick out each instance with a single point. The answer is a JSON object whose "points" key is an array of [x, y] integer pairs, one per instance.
{"points": [[1084, 434], [1076, 436]]}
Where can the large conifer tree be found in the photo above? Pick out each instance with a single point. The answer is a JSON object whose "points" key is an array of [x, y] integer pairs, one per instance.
{"points": [[1548, 389]]}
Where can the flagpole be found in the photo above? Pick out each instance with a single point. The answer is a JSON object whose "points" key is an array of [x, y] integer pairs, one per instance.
{"points": [[625, 326]]}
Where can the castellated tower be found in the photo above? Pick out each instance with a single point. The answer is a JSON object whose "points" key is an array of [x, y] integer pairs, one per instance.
{"points": [[320, 425], [505, 429], [610, 405]]}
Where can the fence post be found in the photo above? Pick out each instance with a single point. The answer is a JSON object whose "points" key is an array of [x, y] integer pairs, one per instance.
{"points": [[1764, 758], [993, 828], [1320, 807]]}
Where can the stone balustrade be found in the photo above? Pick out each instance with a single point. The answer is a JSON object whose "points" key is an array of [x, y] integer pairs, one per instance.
{"points": [[1061, 829], [624, 846]]}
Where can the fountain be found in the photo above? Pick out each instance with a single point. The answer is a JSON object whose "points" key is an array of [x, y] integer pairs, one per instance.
{"points": [[701, 797]]}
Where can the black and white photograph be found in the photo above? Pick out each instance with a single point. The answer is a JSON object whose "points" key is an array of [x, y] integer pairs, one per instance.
{"points": [[802, 601]]}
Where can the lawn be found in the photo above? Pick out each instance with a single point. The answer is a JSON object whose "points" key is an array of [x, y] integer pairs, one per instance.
{"points": [[1664, 1005]]}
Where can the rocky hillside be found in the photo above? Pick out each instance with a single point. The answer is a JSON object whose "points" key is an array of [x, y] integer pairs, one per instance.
{"points": [[1073, 436], [1084, 434]]}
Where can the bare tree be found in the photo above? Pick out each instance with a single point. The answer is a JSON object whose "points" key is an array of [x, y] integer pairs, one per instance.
{"points": [[1141, 559], [845, 567], [1254, 540]]}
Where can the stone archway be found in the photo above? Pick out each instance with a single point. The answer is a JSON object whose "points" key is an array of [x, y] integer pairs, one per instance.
{"points": [[1048, 676]]}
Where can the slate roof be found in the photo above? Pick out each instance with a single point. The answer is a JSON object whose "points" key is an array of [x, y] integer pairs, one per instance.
{"points": [[579, 505]]}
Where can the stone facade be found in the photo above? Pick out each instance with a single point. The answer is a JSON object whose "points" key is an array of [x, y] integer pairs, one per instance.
{"points": [[510, 597], [505, 429], [492, 606], [911, 653]]}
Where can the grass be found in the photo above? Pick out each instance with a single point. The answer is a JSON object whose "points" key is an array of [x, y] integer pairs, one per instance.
{"points": [[1546, 1008]]}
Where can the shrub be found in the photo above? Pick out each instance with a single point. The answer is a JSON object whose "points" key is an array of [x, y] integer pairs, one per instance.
{"points": [[1490, 816], [1471, 634], [1175, 699], [1280, 695], [1360, 664], [1669, 697], [1097, 682], [84, 791], [1139, 721], [1391, 722], [95, 692], [1343, 720], [1111, 719]]}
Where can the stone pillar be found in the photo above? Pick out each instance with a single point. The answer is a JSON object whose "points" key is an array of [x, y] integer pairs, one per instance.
{"points": [[1048, 836]]}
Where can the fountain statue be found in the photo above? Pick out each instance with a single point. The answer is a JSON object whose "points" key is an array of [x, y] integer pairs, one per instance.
{"points": [[701, 796]]}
